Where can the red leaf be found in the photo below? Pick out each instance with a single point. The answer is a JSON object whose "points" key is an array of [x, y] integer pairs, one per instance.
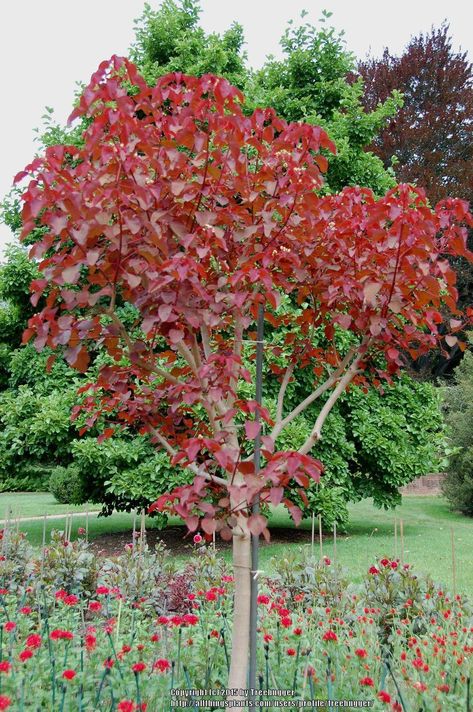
{"points": [[252, 429], [208, 525], [256, 524]]}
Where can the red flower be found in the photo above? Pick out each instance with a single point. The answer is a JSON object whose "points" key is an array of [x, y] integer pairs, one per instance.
{"points": [[138, 667], [69, 674], [210, 596], [25, 655], [155, 637], [268, 637], [214, 633], [291, 652], [162, 665], [33, 641], [373, 570], [330, 635], [109, 663], [102, 590], [95, 606], [60, 595], [9, 626], [443, 688], [263, 599], [126, 706], [90, 642], [5, 666], [297, 631], [327, 561], [163, 620], [361, 652], [394, 564], [81, 531], [384, 696], [384, 562], [26, 610], [59, 634], [286, 622], [70, 600], [197, 539], [190, 619], [367, 681], [5, 702]]}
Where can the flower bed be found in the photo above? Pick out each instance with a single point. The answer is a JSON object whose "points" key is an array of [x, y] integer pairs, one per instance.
{"points": [[79, 633]]}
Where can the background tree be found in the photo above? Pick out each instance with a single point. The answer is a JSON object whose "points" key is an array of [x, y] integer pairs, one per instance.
{"points": [[430, 140], [195, 214], [458, 484]]}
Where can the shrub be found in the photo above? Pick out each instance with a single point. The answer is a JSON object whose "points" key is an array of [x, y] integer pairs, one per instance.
{"points": [[67, 485], [458, 483]]}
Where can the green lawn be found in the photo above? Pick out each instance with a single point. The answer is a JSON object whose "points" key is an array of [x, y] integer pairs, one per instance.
{"points": [[427, 523], [35, 504], [427, 534]]}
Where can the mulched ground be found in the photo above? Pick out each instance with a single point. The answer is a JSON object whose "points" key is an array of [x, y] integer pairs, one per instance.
{"points": [[178, 543]]}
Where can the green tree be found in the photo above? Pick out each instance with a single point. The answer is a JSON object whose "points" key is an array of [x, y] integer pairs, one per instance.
{"points": [[458, 484]]}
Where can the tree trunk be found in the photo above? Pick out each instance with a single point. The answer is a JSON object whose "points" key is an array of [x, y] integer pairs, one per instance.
{"points": [[238, 678]]}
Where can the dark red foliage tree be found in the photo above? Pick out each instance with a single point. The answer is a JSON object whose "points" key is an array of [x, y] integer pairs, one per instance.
{"points": [[196, 214], [432, 134], [431, 137]]}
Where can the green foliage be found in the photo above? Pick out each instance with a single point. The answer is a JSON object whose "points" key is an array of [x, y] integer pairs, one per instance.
{"points": [[458, 484], [67, 485], [170, 40], [35, 432], [125, 473], [69, 565], [315, 83]]}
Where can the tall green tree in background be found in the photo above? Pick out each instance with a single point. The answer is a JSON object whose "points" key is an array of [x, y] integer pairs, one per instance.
{"points": [[373, 444]]}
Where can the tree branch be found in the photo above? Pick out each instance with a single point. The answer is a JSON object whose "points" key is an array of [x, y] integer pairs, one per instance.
{"points": [[191, 466], [279, 426], [335, 395], [282, 392]]}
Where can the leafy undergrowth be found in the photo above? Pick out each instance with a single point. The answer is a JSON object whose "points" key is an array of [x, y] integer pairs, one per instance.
{"points": [[82, 633]]}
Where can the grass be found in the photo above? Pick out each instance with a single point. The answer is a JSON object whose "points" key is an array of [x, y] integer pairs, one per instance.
{"points": [[35, 504], [427, 520]]}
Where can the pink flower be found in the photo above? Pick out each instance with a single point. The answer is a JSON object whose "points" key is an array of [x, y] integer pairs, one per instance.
{"points": [[197, 539], [26, 610], [162, 665], [9, 626], [60, 594], [81, 531], [69, 674], [5, 702]]}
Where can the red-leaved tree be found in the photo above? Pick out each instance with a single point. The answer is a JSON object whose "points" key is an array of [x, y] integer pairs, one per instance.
{"points": [[196, 214]]}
